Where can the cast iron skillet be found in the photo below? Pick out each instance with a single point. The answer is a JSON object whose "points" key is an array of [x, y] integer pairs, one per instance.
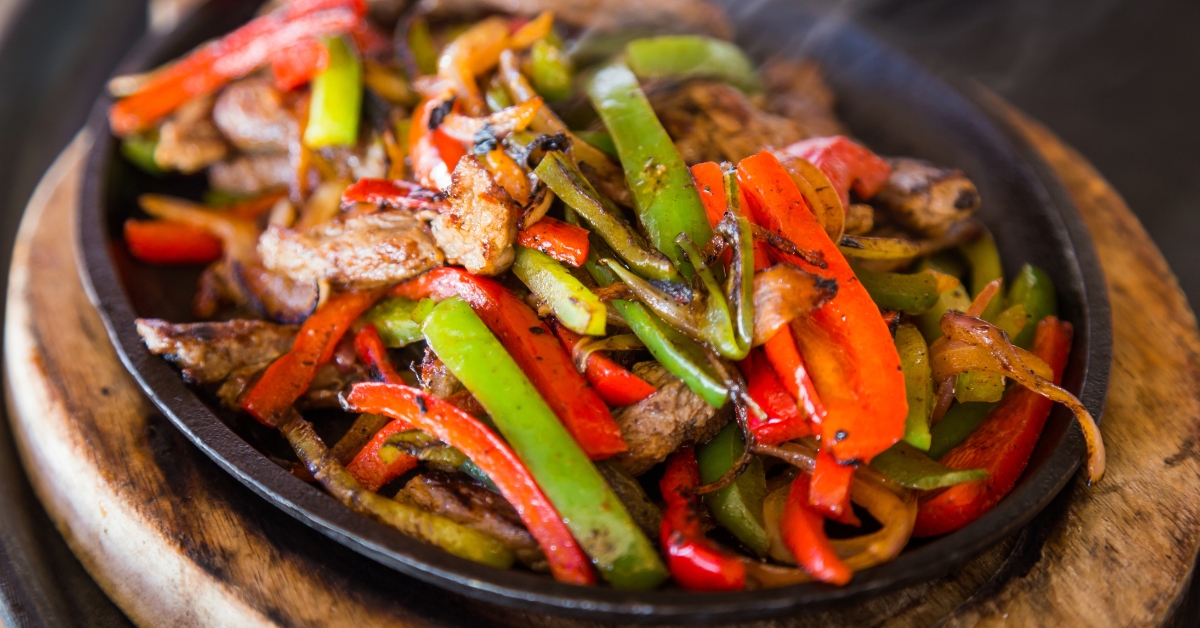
{"points": [[888, 101]]}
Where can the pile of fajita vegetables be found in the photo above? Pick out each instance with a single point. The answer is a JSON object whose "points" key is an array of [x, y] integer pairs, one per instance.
{"points": [[562, 338]]}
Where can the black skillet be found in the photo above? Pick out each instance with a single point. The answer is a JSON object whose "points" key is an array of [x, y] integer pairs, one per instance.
{"points": [[891, 103]]}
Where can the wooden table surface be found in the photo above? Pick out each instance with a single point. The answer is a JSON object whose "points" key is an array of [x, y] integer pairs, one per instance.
{"points": [[175, 541]]}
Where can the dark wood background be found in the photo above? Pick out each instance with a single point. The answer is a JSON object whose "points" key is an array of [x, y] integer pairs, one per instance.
{"points": [[1117, 79]]}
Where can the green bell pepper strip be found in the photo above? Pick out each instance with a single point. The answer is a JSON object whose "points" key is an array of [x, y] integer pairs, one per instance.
{"points": [[497, 96], [989, 387], [336, 99], [911, 468], [550, 70], [576, 307], [594, 514], [599, 140], [139, 149], [407, 518], [664, 193], [470, 468], [958, 423], [738, 233], [918, 385], [692, 56], [1033, 289], [399, 320], [716, 322], [563, 177], [420, 43], [984, 258], [739, 506], [930, 321], [677, 353], [909, 293]]}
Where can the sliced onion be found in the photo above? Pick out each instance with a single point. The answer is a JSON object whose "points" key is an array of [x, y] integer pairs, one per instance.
{"points": [[586, 347], [240, 237], [878, 248], [783, 293], [818, 192]]}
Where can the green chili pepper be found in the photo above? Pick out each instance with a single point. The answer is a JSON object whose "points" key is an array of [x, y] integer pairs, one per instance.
{"points": [[409, 519], [1033, 289], [568, 183], [594, 514], [909, 293], [911, 468], [420, 42], [989, 387], [576, 307], [692, 56], [336, 99], [918, 384], [599, 140], [737, 507], [984, 258], [550, 70], [930, 322], [139, 150], [677, 353], [958, 423], [663, 191], [399, 320]]}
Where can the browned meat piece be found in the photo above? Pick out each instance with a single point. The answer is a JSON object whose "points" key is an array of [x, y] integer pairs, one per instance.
{"points": [[925, 198], [328, 384], [252, 115], [436, 377], [368, 160], [274, 295], [663, 422], [477, 508], [251, 174], [209, 352], [713, 121], [189, 141], [602, 16], [479, 229], [364, 250], [797, 91], [860, 219]]}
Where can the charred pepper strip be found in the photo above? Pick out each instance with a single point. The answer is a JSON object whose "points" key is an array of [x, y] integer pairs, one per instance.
{"points": [[595, 515], [911, 468], [455, 538], [737, 507], [695, 562], [1002, 444], [614, 383], [846, 344], [784, 357], [664, 195], [909, 293], [784, 420], [289, 376], [918, 385], [459, 429], [563, 177], [534, 348], [562, 241], [233, 56], [575, 306], [399, 194], [369, 466]]}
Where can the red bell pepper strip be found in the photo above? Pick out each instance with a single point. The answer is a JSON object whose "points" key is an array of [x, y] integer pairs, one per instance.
{"points": [[166, 242], [399, 194], [1001, 444], [298, 63], [614, 383], [847, 164], [370, 41], [368, 466], [829, 490], [784, 420], [803, 532], [784, 357], [695, 562], [233, 56], [845, 345], [372, 352], [710, 183], [562, 241], [289, 376], [536, 351], [488, 450], [434, 154]]}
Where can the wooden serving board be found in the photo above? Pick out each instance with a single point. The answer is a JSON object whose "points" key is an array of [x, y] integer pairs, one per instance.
{"points": [[176, 541]]}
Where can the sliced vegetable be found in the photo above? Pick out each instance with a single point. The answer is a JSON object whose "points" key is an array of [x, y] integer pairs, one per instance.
{"points": [[473, 52], [696, 563], [957, 424], [298, 64], [784, 357], [534, 348], [845, 344], [499, 125], [614, 383], [784, 420], [139, 150], [911, 468], [909, 293], [862, 247], [562, 241], [595, 515], [918, 385], [578, 308], [551, 70], [692, 56], [372, 468], [420, 44], [434, 154], [848, 165], [829, 489], [1033, 289], [288, 377], [803, 533], [398, 320], [165, 242], [487, 450], [984, 258], [398, 194], [737, 507], [664, 195]]}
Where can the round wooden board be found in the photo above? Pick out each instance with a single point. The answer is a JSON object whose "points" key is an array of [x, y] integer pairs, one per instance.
{"points": [[176, 541]]}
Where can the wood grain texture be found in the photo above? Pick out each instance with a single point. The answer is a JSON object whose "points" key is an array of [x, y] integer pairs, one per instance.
{"points": [[175, 541]]}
